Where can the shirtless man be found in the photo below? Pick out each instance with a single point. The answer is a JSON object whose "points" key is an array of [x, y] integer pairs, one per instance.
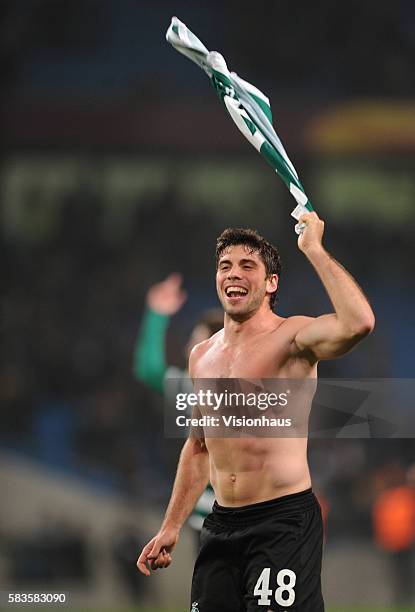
{"points": [[261, 546]]}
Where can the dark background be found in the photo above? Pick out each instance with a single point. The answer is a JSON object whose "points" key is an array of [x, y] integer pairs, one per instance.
{"points": [[119, 166]]}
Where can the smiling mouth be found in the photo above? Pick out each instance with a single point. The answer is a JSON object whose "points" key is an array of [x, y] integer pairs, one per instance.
{"points": [[235, 292]]}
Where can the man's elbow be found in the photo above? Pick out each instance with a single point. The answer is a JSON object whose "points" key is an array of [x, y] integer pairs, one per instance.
{"points": [[195, 444], [362, 327]]}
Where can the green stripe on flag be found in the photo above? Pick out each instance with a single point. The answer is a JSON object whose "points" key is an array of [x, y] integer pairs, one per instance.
{"points": [[264, 106], [251, 127]]}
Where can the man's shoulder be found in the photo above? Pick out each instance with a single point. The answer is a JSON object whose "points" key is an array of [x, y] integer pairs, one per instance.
{"points": [[291, 324], [300, 319], [202, 347]]}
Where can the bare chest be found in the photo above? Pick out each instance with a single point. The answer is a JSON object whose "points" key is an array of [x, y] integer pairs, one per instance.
{"points": [[250, 360]]}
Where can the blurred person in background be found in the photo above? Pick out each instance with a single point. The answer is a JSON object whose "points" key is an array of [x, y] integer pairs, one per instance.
{"points": [[150, 367], [393, 516]]}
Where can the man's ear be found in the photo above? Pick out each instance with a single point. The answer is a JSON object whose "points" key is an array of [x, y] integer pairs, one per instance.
{"points": [[272, 283]]}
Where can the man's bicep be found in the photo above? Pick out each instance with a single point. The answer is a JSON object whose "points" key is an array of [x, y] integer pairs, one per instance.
{"points": [[323, 338]]}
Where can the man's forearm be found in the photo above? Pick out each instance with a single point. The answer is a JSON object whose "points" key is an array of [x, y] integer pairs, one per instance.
{"points": [[350, 304], [191, 479]]}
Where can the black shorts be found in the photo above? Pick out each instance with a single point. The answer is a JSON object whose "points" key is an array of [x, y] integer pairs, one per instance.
{"points": [[261, 557]]}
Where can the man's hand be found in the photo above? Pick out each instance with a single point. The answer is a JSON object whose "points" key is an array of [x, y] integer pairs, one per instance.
{"points": [[168, 296], [157, 553], [312, 234]]}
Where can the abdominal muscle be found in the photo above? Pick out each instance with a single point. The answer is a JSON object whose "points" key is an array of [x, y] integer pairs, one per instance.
{"points": [[250, 470]]}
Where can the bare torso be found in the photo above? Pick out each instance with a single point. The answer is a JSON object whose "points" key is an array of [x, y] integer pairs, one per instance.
{"points": [[252, 469]]}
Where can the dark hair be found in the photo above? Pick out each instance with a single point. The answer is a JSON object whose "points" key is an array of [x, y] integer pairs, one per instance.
{"points": [[255, 243], [212, 319]]}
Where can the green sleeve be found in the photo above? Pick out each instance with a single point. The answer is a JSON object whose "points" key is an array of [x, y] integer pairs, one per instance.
{"points": [[149, 358]]}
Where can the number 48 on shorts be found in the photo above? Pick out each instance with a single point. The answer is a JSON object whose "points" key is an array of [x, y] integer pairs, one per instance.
{"points": [[284, 593]]}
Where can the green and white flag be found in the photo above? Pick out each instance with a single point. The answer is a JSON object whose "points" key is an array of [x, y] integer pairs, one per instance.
{"points": [[249, 108]]}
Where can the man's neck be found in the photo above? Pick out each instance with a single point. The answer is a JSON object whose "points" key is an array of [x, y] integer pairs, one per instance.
{"points": [[237, 330]]}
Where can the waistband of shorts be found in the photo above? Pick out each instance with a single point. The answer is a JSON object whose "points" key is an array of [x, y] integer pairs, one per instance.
{"points": [[304, 500]]}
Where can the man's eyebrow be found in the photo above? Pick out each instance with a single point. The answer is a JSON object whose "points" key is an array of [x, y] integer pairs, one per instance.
{"points": [[241, 261], [245, 261]]}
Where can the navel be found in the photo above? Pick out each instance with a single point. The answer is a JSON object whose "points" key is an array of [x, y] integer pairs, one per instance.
{"points": [[233, 477]]}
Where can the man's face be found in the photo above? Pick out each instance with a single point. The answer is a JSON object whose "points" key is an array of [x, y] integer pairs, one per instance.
{"points": [[241, 281]]}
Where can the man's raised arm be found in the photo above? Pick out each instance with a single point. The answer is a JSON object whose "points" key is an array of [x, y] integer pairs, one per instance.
{"points": [[334, 334]]}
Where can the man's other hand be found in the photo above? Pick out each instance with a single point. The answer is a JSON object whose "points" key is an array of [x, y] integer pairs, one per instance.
{"points": [[157, 553]]}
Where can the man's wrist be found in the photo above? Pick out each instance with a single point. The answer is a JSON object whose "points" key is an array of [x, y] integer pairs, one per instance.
{"points": [[316, 253], [171, 525]]}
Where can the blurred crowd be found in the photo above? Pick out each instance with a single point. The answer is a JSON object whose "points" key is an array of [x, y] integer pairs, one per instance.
{"points": [[52, 45], [71, 315]]}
